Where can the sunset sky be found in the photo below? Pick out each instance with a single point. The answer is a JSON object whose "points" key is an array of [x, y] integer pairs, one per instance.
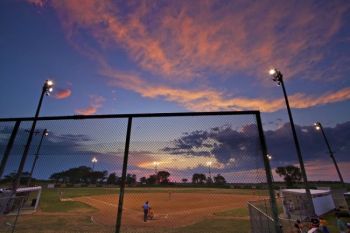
{"points": [[109, 57]]}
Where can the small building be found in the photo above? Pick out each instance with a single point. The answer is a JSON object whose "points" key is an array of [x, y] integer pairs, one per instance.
{"points": [[26, 198], [296, 206]]}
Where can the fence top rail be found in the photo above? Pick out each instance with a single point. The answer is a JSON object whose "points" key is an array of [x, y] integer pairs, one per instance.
{"points": [[257, 209], [135, 115]]}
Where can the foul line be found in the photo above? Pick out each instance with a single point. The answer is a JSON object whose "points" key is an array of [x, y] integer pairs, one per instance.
{"points": [[104, 202]]}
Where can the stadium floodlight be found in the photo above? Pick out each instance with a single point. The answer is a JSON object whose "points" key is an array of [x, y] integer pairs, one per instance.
{"points": [[156, 164], [94, 160], [277, 76], [46, 89], [319, 127], [44, 133], [269, 156], [209, 163]]}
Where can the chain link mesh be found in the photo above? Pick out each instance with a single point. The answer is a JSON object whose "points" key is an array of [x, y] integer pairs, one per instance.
{"points": [[196, 172]]}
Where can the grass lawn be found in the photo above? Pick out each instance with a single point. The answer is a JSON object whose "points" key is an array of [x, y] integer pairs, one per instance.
{"points": [[50, 199], [239, 212]]}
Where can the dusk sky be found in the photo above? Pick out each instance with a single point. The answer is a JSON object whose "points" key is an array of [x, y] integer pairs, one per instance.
{"points": [[109, 57]]}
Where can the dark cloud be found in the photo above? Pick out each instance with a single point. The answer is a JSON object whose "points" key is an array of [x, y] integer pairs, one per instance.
{"points": [[230, 147], [242, 148], [313, 146], [235, 150]]}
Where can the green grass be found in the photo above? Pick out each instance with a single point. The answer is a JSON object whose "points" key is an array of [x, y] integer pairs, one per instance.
{"points": [[50, 201], [217, 226], [50, 224], [332, 222], [210, 226], [239, 212]]}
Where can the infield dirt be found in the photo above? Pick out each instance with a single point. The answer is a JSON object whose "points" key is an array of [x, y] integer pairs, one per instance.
{"points": [[171, 210]]}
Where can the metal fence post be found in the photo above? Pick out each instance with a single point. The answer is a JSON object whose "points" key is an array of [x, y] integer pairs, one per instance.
{"points": [[268, 174], [9, 147], [122, 184]]}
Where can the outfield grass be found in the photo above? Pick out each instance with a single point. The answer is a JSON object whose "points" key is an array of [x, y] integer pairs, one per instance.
{"points": [[50, 199], [239, 213]]}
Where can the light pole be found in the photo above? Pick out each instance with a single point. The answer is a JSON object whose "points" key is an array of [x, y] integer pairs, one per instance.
{"points": [[277, 76], [155, 167], [156, 170], [46, 90], [209, 164], [93, 160], [318, 126], [45, 133]]}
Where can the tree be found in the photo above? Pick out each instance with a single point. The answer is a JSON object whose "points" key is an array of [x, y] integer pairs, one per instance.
{"points": [[163, 177], [112, 178], [209, 180], [152, 179], [12, 176], [219, 179], [82, 174], [184, 180], [290, 174], [130, 179], [198, 178], [143, 180]]}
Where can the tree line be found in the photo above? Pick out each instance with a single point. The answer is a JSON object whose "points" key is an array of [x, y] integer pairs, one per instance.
{"points": [[86, 175]]}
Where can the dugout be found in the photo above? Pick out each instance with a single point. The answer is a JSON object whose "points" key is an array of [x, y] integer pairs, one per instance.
{"points": [[26, 198], [296, 206]]}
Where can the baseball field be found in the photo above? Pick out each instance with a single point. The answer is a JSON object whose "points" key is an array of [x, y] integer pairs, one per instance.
{"points": [[175, 210]]}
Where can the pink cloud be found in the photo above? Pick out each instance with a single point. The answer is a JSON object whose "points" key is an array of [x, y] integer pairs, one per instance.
{"points": [[86, 111], [183, 41], [62, 93], [212, 100], [96, 102], [183, 38], [323, 170]]}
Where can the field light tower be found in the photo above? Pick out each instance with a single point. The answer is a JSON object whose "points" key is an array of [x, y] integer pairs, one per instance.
{"points": [[94, 160], [156, 164], [277, 76], [46, 90], [44, 134], [319, 127], [209, 163]]}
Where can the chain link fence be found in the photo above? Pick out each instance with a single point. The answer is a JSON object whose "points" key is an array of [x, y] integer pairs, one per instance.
{"points": [[197, 171]]}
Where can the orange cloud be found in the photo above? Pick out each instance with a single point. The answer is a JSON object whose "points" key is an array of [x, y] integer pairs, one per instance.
{"points": [[212, 100], [96, 102], [181, 41], [62, 93], [325, 170], [86, 111]]}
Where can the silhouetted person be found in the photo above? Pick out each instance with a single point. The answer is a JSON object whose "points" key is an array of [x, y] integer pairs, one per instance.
{"points": [[146, 208]]}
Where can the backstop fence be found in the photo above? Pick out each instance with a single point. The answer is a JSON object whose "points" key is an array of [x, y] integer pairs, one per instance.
{"points": [[197, 171]]}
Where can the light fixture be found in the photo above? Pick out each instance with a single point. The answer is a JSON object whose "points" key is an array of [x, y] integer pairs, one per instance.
{"points": [[48, 87], [276, 76], [317, 125]]}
